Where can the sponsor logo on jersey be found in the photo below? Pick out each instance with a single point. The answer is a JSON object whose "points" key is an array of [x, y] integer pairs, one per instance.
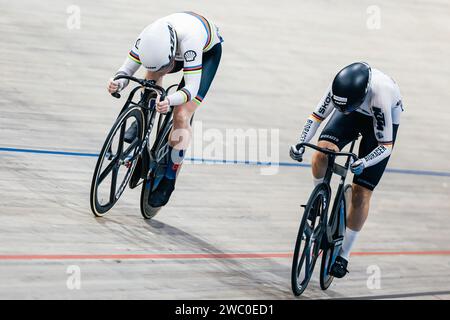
{"points": [[306, 129], [379, 118], [327, 136], [136, 45], [380, 135], [327, 101], [375, 153], [190, 55]]}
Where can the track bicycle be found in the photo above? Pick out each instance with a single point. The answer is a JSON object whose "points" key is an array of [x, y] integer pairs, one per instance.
{"points": [[139, 160], [320, 235]]}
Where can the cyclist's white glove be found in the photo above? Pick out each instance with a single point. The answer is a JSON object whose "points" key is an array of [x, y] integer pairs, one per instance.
{"points": [[297, 154], [357, 167], [116, 85], [163, 106]]}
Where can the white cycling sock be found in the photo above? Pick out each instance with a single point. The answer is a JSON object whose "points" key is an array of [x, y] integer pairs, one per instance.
{"points": [[349, 241], [316, 181]]}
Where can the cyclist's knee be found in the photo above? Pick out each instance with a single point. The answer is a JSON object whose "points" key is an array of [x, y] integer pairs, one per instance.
{"points": [[328, 145], [360, 196], [182, 114], [181, 117], [320, 157]]}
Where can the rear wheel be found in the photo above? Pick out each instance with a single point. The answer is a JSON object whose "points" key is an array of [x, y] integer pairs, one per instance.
{"points": [[116, 162], [310, 234], [158, 168], [147, 211]]}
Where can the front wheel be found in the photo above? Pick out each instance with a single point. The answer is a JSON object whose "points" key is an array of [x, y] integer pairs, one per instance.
{"points": [[116, 162], [310, 234]]}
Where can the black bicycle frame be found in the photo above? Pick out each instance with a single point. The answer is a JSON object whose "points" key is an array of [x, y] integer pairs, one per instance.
{"points": [[333, 167], [335, 236], [149, 115]]}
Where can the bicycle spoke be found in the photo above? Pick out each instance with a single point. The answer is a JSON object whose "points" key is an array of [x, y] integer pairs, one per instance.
{"points": [[121, 141], [131, 147], [308, 260], [107, 171], [300, 264], [316, 232], [307, 235], [112, 195], [308, 231]]}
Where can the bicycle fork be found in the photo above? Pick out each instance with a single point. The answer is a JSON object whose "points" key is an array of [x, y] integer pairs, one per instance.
{"points": [[336, 231]]}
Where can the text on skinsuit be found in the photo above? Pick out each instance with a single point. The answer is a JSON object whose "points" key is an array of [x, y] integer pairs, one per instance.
{"points": [[306, 129], [375, 153], [379, 117], [327, 101], [327, 136]]}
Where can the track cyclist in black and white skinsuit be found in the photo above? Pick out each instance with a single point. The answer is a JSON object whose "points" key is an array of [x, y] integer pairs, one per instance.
{"points": [[361, 100], [181, 41]]}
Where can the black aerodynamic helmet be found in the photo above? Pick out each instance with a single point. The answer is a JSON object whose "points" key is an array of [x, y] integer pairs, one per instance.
{"points": [[350, 86]]}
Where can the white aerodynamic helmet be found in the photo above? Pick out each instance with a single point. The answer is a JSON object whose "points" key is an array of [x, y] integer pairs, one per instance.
{"points": [[157, 45]]}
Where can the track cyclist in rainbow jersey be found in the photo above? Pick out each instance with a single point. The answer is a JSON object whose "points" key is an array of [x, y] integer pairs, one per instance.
{"points": [[181, 41]]}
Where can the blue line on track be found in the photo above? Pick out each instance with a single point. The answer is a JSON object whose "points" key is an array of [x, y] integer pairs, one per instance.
{"points": [[213, 161], [60, 153]]}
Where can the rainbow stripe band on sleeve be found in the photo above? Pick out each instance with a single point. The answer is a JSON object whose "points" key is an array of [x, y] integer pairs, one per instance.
{"points": [[193, 70], [316, 117], [387, 143], [209, 34], [187, 94], [198, 100], [134, 56]]}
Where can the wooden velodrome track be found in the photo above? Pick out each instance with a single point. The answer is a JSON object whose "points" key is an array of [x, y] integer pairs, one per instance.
{"points": [[229, 230]]}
